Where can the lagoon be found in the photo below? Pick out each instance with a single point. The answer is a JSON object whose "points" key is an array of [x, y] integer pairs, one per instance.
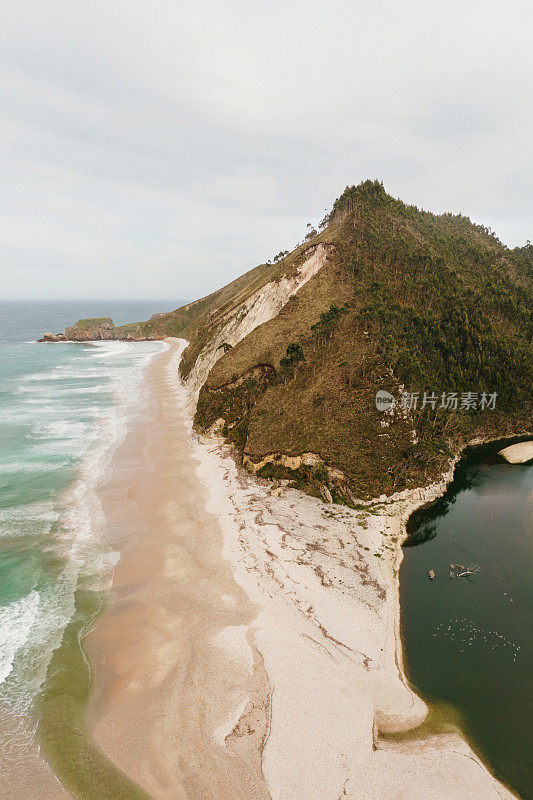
{"points": [[468, 642]]}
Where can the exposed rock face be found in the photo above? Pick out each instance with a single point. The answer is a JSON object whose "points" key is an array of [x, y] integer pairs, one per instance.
{"points": [[328, 479], [258, 308], [385, 298], [100, 329]]}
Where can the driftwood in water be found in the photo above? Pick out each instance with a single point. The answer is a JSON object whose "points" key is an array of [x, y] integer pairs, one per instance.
{"points": [[460, 571]]}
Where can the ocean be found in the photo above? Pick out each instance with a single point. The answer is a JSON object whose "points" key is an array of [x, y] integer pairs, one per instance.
{"points": [[64, 408]]}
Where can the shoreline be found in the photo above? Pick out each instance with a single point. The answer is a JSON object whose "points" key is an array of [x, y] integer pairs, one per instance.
{"points": [[318, 650], [498, 746], [162, 683]]}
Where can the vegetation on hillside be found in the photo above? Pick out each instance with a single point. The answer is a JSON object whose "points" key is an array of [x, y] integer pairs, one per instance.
{"points": [[421, 305], [413, 303]]}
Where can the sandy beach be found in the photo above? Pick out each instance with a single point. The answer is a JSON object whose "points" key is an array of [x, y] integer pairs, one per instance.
{"points": [[165, 682], [251, 648], [24, 774]]}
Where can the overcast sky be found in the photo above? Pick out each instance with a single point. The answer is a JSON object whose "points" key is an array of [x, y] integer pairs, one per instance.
{"points": [[159, 149]]}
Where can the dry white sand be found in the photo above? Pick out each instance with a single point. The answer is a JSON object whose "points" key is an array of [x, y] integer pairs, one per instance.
{"points": [[518, 453], [253, 647], [168, 654]]}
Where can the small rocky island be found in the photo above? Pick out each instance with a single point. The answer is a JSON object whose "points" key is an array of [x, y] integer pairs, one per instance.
{"points": [[100, 329], [286, 360], [285, 363]]}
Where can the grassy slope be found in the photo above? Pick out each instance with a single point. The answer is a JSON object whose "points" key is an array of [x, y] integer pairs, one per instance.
{"points": [[85, 324], [199, 320], [428, 302], [431, 302]]}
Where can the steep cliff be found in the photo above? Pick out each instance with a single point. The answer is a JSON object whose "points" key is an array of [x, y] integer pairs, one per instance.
{"points": [[432, 309], [286, 361]]}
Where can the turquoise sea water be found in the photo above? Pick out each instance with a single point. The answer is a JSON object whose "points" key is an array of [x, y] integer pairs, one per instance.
{"points": [[63, 410]]}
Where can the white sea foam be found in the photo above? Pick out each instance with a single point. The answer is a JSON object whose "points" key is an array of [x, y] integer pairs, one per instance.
{"points": [[16, 620], [31, 466], [33, 520], [30, 511], [59, 429], [64, 373], [76, 520], [62, 437], [44, 635], [46, 392], [111, 349], [22, 415]]}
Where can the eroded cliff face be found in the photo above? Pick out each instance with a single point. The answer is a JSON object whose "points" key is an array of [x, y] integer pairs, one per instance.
{"points": [[413, 304], [217, 322], [260, 307], [385, 297]]}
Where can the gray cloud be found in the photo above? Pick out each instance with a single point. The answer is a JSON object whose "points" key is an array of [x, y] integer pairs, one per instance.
{"points": [[162, 149]]}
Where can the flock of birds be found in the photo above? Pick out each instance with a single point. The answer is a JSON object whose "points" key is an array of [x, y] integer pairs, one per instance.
{"points": [[465, 632]]}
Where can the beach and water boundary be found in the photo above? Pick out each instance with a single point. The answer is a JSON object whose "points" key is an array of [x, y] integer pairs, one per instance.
{"points": [[242, 654], [230, 658], [463, 637], [63, 410]]}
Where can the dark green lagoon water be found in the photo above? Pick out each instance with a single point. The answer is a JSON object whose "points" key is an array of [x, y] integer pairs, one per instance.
{"points": [[468, 643]]}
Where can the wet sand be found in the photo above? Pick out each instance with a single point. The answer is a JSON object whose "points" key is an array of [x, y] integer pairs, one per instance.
{"points": [[24, 775], [251, 649], [166, 688]]}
